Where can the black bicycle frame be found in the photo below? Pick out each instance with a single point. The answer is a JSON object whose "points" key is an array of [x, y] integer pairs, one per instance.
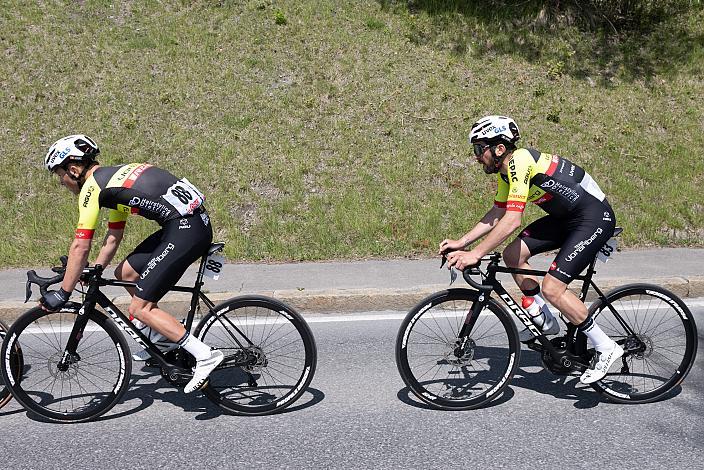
{"points": [[491, 284], [95, 296]]}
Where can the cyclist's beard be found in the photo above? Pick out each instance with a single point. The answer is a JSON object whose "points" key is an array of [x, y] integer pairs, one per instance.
{"points": [[491, 168], [80, 180]]}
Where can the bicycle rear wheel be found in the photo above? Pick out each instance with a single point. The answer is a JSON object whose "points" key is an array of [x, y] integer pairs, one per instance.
{"points": [[270, 355], [660, 353], [14, 365], [446, 372], [91, 381]]}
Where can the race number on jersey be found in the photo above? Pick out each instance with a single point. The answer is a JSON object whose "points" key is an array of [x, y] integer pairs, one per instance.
{"points": [[184, 197]]}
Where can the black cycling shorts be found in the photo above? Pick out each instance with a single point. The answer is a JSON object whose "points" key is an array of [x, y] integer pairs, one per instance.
{"points": [[579, 237], [163, 257]]}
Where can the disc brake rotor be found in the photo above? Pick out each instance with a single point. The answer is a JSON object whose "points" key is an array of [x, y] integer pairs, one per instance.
{"points": [[459, 354]]}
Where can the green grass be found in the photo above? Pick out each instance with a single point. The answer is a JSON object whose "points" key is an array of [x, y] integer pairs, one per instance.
{"points": [[327, 130]]}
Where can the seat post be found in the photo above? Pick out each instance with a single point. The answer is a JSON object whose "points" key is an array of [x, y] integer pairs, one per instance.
{"points": [[199, 274]]}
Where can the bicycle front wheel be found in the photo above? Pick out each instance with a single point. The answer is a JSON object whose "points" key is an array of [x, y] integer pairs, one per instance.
{"points": [[14, 364], [447, 371], [60, 386], [270, 355], [659, 348]]}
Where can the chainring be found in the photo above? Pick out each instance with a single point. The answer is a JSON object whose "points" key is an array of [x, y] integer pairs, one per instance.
{"points": [[560, 345], [178, 357]]}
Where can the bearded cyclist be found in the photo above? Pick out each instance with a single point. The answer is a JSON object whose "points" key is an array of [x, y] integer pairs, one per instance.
{"points": [[579, 222], [158, 262]]}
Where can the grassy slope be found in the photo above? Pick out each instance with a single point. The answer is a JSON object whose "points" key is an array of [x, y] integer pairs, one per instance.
{"points": [[340, 133]]}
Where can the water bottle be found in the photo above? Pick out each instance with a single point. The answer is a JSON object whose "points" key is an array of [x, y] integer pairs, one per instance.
{"points": [[534, 311], [147, 331]]}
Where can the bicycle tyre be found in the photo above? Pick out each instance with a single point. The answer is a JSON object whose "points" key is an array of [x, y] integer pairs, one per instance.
{"points": [[284, 347], [15, 366], [669, 352], [431, 329], [66, 396]]}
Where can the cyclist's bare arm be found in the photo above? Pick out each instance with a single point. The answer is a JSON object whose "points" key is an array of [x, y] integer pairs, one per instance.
{"points": [[501, 230], [484, 226], [110, 245], [77, 259]]}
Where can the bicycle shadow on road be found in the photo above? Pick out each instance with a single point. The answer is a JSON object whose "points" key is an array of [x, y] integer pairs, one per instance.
{"points": [[558, 386], [144, 390], [9, 412], [563, 387], [161, 390]]}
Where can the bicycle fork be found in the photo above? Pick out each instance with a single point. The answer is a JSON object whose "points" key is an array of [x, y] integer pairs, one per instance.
{"points": [[469, 322], [70, 355]]}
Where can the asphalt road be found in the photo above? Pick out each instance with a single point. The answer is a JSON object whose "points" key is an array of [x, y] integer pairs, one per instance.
{"points": [[359, 414]]}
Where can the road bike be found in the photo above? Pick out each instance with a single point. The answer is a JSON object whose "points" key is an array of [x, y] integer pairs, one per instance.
{"points": [[459, 348], [77, 363]]}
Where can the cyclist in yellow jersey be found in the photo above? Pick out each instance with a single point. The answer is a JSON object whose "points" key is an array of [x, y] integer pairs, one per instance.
{"points": [[579, 222], [158, 262]]}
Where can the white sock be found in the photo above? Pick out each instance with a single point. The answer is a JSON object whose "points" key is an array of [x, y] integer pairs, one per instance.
{"points": [[196, 347], [598, 338]]}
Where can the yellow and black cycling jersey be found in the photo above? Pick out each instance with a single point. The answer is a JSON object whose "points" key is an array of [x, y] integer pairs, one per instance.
{"points": [[555, 184], [136, 188]]}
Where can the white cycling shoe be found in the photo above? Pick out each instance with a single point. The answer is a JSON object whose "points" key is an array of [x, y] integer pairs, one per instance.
{"points": [[601, 363], [550, 327], [202, 370]]}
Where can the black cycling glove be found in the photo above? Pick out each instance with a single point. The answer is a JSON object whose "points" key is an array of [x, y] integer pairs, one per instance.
{"points": [[55, 299]]}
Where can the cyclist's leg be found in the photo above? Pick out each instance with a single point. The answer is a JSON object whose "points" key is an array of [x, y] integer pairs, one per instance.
{"points": [[184, 241], [545, 234], [566, 301], [591, 227], [129, 270], [130, 267], [181, 242], [516, 255], [151, 315]]}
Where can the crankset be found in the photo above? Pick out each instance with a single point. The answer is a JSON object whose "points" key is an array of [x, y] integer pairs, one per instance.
{"points": [[567, 363], [180, 371]]}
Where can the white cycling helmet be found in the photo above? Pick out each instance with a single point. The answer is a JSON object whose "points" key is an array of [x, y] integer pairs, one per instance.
{"points": [[495, 130], [76, 148]]}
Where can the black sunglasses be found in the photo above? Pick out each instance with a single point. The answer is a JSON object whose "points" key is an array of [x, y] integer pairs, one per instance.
{"points": [[479, 149]]}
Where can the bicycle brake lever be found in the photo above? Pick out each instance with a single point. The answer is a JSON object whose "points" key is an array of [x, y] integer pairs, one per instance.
{"points": [[28, 291], [453, 272], [61, 269]]}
